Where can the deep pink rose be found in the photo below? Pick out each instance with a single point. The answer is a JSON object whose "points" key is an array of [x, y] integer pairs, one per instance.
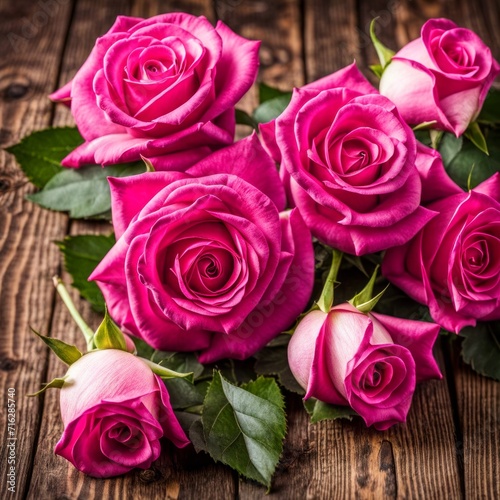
{"points": [[349, 161], [443, 76], [154, 87], [370, 362], [453, 264], [114, 410], [204, 260], [435, 181]]}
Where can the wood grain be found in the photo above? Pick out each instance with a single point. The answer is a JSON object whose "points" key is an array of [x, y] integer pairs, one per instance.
{"points": [[31, 44], [451, 443]]}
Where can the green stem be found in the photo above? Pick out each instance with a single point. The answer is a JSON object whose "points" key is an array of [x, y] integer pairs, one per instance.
{"points": [[326, 299], [86, 330]]}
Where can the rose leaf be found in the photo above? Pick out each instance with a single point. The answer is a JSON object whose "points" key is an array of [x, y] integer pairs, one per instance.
{"points": [[244, 427], [461, 165], [83, 192], [272, 108], [324, 411], [490, 113], [481, 348], [39, 154], [67, 353], [274, 361], [81, 254]]}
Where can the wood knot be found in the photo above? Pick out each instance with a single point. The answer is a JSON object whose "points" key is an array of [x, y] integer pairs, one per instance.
{"points": [[8, 364], [4, 185], [15, 91], [152, 475]]}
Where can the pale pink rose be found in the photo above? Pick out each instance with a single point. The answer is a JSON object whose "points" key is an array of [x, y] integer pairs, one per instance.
{"points": [[348, 160], [115, 410], [207, 260], [156, 87], [453, 264], [443, 76], [370, 362]]}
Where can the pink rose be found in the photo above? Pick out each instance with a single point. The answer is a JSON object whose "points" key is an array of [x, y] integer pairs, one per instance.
{"points": [[114, 410], [154, 87], [443, 76], [349, 161], [370, 362], [204, 260], [435, 181], [453, 264]]}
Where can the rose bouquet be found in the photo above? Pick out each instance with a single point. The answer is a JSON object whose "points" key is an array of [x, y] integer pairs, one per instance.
{"points": [[237, 270]]}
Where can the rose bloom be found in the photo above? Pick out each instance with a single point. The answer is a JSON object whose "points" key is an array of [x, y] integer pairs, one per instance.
{"points": [[370, 362], [348, 160], [443, 76], [205, 260], [453, 264], [114, 410], [158, 86]]}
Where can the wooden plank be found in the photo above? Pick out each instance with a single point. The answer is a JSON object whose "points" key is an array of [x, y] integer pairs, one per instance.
{"points": [[177, 473], [31, 42], [478, 400]]}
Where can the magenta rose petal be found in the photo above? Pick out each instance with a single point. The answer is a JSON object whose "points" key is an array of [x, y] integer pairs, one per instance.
{"points": [[419, 338], [129, 195], [281, 306], [265, 178], [237, 69]]}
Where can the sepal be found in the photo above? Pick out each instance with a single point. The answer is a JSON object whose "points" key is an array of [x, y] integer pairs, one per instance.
{"points": [[67, 353]]}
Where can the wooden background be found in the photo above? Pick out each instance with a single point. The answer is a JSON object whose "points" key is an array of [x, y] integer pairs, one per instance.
{"points": [[450, 447]]}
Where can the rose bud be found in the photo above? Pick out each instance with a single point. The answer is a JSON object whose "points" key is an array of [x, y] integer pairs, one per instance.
{"points": [[370, 362], [115, 410], [453, 264], [162, 88], [441, 77], [348, 164]]}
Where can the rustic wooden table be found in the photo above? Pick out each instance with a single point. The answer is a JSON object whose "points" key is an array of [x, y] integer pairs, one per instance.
{"points": [[450, 447]]}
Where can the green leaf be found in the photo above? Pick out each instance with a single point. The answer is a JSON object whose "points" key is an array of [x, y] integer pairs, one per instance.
{"points": [[449, 147], [67, 353], [475, 135], [266, 92], [57, 383], [272, 108], [377, 69], [384, 54], [82, 253], [243, 118], [184, 394], [274, 361], [327, 295], [184, 362], [244, 427], [324, 411], [109, 336], [39, 154], [481, 348], [485, 166], [424, 126], [364, 300], [143, 349], [490, 113], [436, 136], [165, 373], [83, 192]]}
